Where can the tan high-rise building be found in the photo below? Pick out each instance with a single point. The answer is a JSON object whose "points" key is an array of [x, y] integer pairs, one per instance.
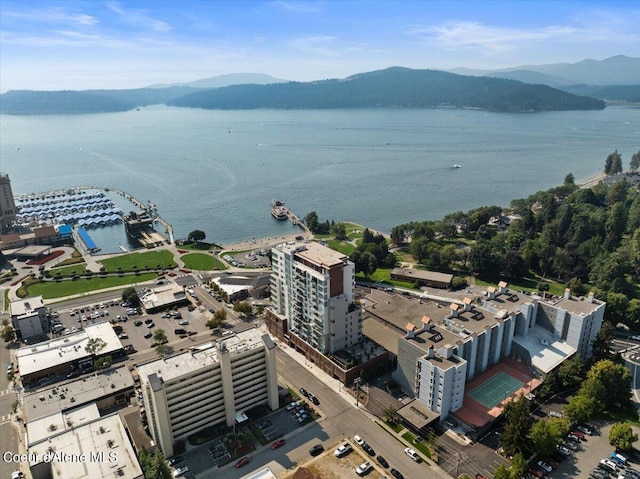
{"points": [[7, 204], [312, 286], [208, 385]]}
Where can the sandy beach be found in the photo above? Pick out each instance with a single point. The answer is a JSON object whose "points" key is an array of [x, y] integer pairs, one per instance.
{"points": [[262, 243]]}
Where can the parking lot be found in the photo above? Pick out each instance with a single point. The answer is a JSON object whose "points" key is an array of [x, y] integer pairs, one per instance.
{"points": [[588, 454]]}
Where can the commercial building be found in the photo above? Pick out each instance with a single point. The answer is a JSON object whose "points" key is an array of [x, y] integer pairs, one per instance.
{"points": [[163, 297], [431, 279], [80, 444], [7, 203], [312, 293], [29, 317], [208, 385], [451, 345], [42, 362]]}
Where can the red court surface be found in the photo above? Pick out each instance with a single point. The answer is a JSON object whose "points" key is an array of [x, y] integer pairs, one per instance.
{"points": [[474, 413]]}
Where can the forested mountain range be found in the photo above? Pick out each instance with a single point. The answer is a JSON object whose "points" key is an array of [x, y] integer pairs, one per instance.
{"points": [[394, 87]]}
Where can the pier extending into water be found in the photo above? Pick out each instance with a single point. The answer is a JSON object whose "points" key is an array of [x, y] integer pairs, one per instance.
{"points": [[149, 208]]}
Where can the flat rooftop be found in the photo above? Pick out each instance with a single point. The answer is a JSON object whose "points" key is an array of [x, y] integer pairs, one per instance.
{"points": [[43, 427], [580, 306], [316, 253], [48, 354], [202, 356], [546, 352], [26, 306], [69, 395], [164, 295], [98, 449], [424, 275]]}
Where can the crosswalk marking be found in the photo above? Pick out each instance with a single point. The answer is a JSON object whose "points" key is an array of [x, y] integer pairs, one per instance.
{"points": [[5, 418]]}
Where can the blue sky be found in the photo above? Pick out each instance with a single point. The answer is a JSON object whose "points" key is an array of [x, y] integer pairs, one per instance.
{"points": [[69, 44]]}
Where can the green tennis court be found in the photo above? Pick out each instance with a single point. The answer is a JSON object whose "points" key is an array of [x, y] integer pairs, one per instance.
{"points": [[495, 389]]}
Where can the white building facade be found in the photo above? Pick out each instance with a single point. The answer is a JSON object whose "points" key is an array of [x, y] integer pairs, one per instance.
{"points": [[312, 286], [188, 392], [29, 317]]}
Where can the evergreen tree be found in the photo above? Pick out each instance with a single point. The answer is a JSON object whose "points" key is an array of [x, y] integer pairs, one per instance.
{"points": [[515, 438]]}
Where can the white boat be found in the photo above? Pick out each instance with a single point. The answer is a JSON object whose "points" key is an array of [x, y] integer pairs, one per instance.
{"points": [[457, 166]]}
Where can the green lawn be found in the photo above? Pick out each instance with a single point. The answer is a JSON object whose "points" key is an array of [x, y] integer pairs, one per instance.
{"points": [[196, 246], [53, 289], [68, 271], [201, 262], [343, 247], [149, 259], [383, 275], [420, 446], [529, 285]]}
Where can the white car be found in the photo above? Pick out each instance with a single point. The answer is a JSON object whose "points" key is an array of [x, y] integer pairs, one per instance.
{"points": [[545, 466], [412, 454], [610, 463], [563, 450], [359, 440], [343, 449], [363, 468], [180, 471]]}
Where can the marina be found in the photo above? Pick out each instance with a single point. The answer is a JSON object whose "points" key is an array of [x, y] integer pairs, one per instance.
{"points": [[78, 209]]}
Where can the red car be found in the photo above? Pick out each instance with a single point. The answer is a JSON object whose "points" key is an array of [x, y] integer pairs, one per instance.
{"points": [[242, 462], [277, 444]]}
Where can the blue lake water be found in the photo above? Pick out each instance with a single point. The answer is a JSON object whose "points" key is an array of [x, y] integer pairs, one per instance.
{"points": [[219, 170]]}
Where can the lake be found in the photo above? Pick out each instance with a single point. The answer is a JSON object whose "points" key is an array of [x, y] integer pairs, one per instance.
{"points": [[218, 170]]}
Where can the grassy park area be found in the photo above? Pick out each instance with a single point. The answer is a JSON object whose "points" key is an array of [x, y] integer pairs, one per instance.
{"points": [[148, 260], [201, 262], [55, 289]]}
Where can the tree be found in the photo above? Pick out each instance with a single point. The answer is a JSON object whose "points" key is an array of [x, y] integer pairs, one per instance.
{"points": [[339, 230], [580, 408], [608, 383], [95, 345], [311, 220], [543, 438], [243, 307], [159, 336], [613, 163], [634, 164], [218, 319], [154, 464], [569, 179], [196, 236], [515, 438], [571, 373], [130, 295], [389, 414], [621, 436], [7, 332], [103, 363], [161, 349]]}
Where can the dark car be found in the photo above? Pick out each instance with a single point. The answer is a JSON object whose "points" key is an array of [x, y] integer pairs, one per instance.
{"points": [[316, 449], [304, 392], [242, 462], [313, 399], [383, 462], [368, 449], [137, 323], [148, 334], [397, 474], [175, 460]]}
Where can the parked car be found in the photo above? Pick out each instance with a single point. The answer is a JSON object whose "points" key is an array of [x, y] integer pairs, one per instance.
{"points": [[359, 441], [137, 323], [563, 450], [180, 471], [343, 449], [588, 431], [148, 334], [368, 449], [383, 462], [619, 458], [292, 406], [316, 449], [277, 444], [175, 460], [123, 336], [242, 462], [573, 437], [544, 466], [580, 435], [363, 468], [304, 392], [397, 474], [556, 414], [412, 454], [571, 445]]}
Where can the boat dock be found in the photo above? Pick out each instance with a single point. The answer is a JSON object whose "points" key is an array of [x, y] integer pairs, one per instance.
{"points": [[152, 211]]}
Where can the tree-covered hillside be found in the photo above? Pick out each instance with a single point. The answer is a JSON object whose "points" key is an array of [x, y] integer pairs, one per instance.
{"points": [[586, 238], [393, 87]]}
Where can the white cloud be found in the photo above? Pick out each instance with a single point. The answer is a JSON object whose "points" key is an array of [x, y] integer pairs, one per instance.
{"points": [[56, 15], [138, 18]]}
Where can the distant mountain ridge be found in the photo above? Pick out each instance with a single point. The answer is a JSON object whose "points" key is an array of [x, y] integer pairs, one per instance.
{"points": [[616, 70], [229, 79], [394, 87]]}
